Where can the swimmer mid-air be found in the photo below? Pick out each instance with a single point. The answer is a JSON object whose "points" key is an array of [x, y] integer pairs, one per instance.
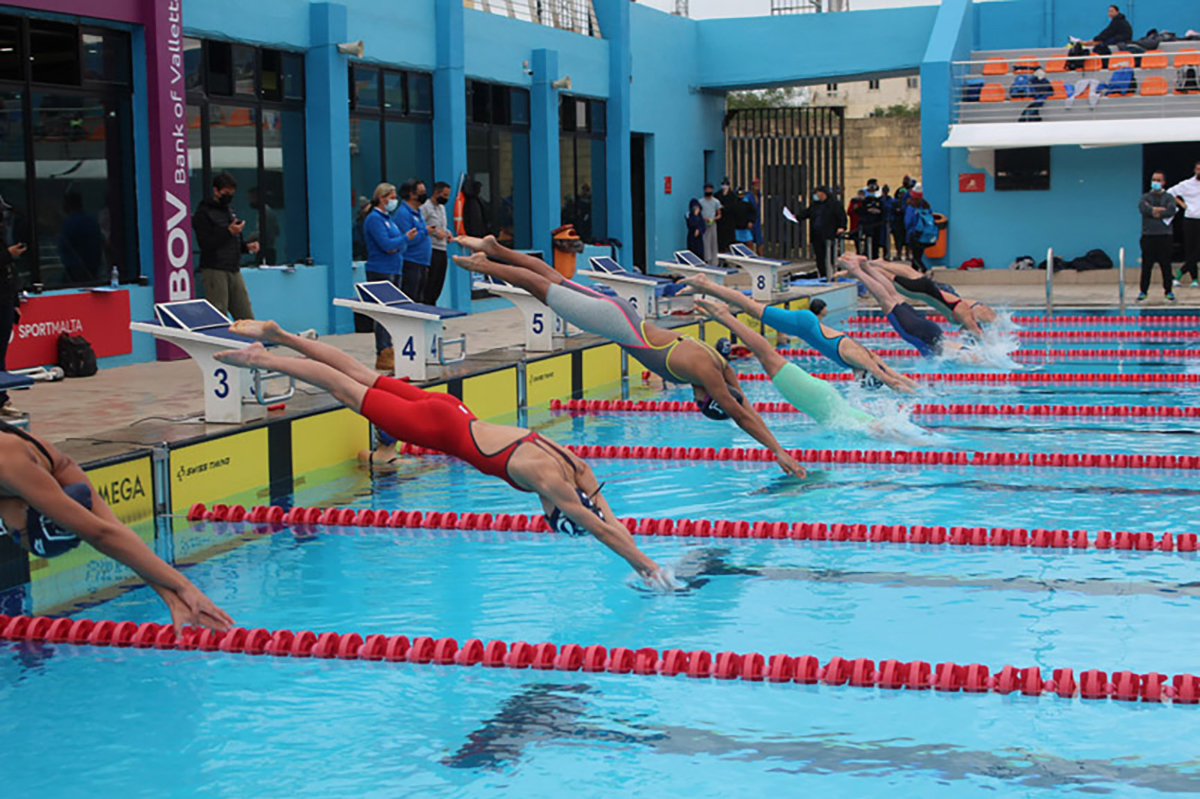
{"points": [[914, 328], [674, 358], [808, 394], [527, 461], [967, 313], [806, 324], [48, 505]]}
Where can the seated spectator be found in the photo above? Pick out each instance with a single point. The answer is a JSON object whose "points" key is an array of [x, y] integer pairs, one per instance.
{"points": [[1117, 33]]}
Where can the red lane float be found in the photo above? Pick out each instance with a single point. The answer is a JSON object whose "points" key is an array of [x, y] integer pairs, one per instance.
{"points": [[1102, 335], [1163, 321], [1080, 354], [837, 532], [1036, 378], [920, 409], [697, 664]]}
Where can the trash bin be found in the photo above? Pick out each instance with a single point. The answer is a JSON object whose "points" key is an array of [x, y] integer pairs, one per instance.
{"points": [[938, 248], [567, 245]]}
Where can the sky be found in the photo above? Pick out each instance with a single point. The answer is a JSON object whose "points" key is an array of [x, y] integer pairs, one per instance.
{"points": [[708, 9]]}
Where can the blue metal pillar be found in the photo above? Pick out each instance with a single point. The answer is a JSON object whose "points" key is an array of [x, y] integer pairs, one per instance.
{"points": [[544, 180], [450, 130], [613, 16]]}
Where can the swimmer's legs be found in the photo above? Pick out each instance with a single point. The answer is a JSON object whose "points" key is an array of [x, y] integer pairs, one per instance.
{"points": [[857, 355], [881, 289], [494, 249], [528, 279], [344, 388], [771, 360], [269, 332]]}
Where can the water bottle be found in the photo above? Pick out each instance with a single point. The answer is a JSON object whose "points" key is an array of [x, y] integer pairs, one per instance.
{"points": [[114, 278]]}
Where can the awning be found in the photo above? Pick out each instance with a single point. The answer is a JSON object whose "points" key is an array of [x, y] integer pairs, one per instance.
{"points": [[1083, 133]]}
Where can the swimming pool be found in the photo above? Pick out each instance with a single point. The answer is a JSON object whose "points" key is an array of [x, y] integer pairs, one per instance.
{"points": [[230, 724]]}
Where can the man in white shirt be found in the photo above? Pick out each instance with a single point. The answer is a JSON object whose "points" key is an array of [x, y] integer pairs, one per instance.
{"points": [[1187, 195], [433, 211]]}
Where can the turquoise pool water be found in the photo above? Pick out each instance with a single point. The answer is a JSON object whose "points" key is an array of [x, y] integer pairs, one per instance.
{"points": [[144, 722]]}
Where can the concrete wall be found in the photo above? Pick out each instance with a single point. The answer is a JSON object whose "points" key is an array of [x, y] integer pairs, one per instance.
{"points": [[1049, 23], [887, 148]]}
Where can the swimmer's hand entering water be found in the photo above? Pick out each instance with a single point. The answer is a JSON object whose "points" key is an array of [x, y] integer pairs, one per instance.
{"points": [[662, 579], [189, 606]]}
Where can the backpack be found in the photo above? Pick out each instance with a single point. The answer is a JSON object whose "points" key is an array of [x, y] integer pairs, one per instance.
{"points": [[1020, 87], [1091, 260], [76, 356], [1076, 57], [1121, 82], [925, 231], [1186, 81]]}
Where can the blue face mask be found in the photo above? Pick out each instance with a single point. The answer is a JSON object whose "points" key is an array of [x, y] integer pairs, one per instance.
{"points": [[1155, 185]]}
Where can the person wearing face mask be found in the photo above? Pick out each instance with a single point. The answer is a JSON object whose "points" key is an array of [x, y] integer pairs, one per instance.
{"points": [[1157, 208], [420, 246], [1187, 197], [710, 209], [870, 219], [219, 236], [433, 211], [826, 221], [727, 222], [386, 248]]}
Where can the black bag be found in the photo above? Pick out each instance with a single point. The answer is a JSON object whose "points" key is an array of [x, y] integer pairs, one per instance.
{"points": [[1186, 81], [1059, 264], [1091, 260], [76, 356], [1076, 56]]}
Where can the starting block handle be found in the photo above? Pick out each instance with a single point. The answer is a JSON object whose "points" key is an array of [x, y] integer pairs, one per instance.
{"points": [[461, 341], [261, 397]]}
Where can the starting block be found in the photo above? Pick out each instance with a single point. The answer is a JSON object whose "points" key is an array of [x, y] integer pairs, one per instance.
{"points": [[768, 277], [650, 295], [542, 325], [231, 395], [417, 331], [687, 263]]}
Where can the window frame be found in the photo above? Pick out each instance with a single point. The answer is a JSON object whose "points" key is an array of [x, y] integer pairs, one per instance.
{"points": [[1004, 178], [589, 134]]}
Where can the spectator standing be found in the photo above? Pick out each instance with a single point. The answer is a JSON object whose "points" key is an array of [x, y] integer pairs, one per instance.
{"points": [[743, 232], [852, 210], [727, 221], [433, 211], [1157, 208], [386, 247], [9, 299], [710, 209], [475, 216], [870, 219], [889, 210], [219, 236], [899, 205], [826, 221], [420, 246], [754, 200], [695, 228], [912, 217], [1187, 196]]}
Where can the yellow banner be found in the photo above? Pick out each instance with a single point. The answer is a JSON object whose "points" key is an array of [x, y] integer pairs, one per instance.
{"points": [[127, 488], [491, 395], [601, 367], [327, 439], [547, 379], [217, 470]]}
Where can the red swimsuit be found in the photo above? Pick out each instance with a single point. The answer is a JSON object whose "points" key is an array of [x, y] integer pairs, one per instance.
{"points": [[435, 421]]}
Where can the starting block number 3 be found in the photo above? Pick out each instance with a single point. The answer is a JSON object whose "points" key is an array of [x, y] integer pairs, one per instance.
{"points": [[222, 389]]}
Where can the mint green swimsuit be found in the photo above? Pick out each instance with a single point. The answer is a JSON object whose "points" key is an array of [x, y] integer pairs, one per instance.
{"points": [[815, 397]]}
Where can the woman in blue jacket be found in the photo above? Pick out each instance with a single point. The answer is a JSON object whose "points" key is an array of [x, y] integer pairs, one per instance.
{"points": [[912, 211], [385, 259]]}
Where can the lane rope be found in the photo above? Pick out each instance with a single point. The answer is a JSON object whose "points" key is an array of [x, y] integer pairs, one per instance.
{"points": [[916, 675], [1165, 321], [920, 408], [1004, 377], [1034, 355], [274, 517]]}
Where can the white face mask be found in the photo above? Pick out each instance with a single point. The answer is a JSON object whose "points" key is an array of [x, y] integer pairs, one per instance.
{"points": [[391, 205]]}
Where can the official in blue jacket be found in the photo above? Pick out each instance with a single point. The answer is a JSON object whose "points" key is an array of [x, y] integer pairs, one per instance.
{"points": [[386, 247], [420, 246]]}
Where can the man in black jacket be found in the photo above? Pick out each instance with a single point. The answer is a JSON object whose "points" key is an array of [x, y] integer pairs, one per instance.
{"points": [[219, 235], [826, 221], [1118, 32], [8, 300]]}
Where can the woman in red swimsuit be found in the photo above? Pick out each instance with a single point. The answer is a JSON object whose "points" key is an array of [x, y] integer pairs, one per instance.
{"points": [[525, 460]]}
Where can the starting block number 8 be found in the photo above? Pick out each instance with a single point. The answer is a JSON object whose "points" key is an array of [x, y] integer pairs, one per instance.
{"points": [[762, 282]]}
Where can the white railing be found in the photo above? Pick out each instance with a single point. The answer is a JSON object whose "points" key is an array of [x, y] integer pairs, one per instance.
{"points": [[1121, 279], [1049, 281], [568, 15], [1012, 92]]}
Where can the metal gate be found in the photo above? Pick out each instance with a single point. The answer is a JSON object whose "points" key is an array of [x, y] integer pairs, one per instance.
{"points": [[792, 150]]}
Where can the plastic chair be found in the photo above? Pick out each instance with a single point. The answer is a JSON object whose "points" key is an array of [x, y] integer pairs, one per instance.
{"points": [[1120, 60], [1155, 86], [993, 93], [1059, 90], [995, 66], [1154, 61], [1027, 64], [1054, 65], [1187, 58], [1093, 64]]}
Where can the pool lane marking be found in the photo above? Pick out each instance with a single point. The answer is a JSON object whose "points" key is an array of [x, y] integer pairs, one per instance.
{"points": [[1083, 335], [949, 677], [1066, 355], [1006, 377]]}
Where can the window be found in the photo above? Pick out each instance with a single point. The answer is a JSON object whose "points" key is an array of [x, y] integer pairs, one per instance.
{"points": [[873, 85], [831, 88], [246, 117], [1023, 169], [582, 165], [391, 134], [66, 152], [914, 82], [498, 185]]}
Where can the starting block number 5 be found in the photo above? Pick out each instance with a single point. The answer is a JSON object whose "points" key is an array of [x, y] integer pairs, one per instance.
{"points": [[538, 323]]}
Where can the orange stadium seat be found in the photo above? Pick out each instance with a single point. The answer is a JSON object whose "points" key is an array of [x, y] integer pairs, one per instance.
{"points": [[1187, 58], [1154, 61], [1120, 60], [995, 66], [993, 93], [1056, 65], [1027, 64], [1059, 90], [1155, 86]]}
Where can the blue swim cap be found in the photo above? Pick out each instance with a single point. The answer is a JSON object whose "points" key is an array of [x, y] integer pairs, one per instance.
{"points": [[46, 538], [562, 523], [724, 346], [713, 410]]}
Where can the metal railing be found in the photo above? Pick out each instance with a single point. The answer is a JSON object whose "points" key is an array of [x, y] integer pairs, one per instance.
{"points": [[1121, 279], [568, 15], [1157, 92], [1049, 281]]}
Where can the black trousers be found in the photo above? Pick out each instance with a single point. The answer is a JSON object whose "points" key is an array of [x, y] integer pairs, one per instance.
{"points": [[1157, 250], [918, 254], [873, 240], [8, 318], [821, 252], [1191, 246], [435, 277], [412, 280]]}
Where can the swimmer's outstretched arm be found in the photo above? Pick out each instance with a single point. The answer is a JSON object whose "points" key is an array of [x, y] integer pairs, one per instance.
{"points": [[102, 530], [703, 285]]}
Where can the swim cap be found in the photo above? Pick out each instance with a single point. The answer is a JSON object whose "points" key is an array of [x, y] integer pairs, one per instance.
{"points": [[46, 538], [868, 380], [713, 410], [562, 523], [724, 346], [816, 306]]}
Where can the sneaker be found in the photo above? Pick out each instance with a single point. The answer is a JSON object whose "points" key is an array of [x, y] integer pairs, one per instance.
{"points": [[385, 361], [1195, 284], [10, 411], [1142, 297], [1170, 296], [309, 334]]}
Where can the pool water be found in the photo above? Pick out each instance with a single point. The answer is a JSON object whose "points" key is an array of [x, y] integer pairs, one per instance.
{"points": [[145, 722]]}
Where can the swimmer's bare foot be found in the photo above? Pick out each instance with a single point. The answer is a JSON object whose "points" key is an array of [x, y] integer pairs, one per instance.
{"points": [[259, 330], [487, 244], [473, 262], [247, 357]]}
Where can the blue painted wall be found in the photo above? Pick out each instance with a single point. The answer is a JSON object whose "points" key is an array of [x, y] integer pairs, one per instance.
{"points": [[1048, 23]]}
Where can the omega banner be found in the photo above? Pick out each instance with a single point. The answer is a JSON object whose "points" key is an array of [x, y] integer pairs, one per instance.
{"points": [[168, 156]]}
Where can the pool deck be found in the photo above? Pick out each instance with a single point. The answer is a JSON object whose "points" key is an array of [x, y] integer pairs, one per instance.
{"points": [[134, 407]]}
